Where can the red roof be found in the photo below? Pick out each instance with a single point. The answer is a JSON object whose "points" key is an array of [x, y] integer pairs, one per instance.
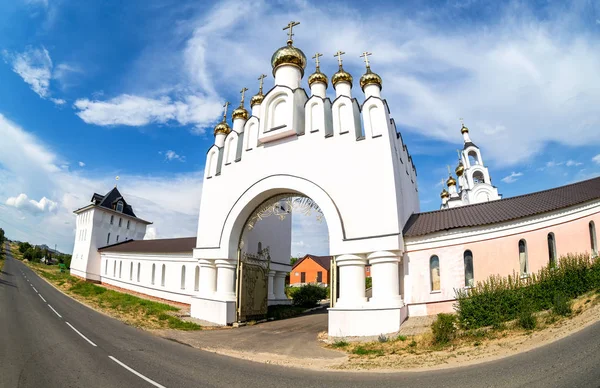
{"points": [[323, 261]]}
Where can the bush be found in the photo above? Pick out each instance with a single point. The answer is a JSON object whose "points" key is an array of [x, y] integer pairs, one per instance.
{"points": [[368, 283], [498, 299], [527, 320], [562, 305], [308, 296], [382, 338], [443, 328]]}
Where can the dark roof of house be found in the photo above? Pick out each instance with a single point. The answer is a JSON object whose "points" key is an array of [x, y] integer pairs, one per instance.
{"points": [[107, 201], [323, 261], [167, 245], [503, 210]]}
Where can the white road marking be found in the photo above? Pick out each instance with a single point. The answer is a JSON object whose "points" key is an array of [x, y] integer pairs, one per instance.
{"points": [[82, 336], [55, 312], [137, 373], [42, 298], [34, 289]]}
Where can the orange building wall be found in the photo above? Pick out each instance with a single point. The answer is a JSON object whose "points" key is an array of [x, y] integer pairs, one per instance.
{"points": [[311, 268]]}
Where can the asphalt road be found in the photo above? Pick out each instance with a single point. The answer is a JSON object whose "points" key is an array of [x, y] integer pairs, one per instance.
{"points": [[40, 347]]}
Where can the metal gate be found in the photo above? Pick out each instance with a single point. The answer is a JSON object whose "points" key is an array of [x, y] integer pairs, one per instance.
{"points": [[252, 285]]}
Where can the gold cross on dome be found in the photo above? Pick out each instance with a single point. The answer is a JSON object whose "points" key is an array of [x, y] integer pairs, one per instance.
{"points": [[316, 58], [462, 122], [243, 91], [339, 56], [289, 27], [225, 106], [458, 152], [443, 182], [365, 55], [261, 79], [449, 173]]}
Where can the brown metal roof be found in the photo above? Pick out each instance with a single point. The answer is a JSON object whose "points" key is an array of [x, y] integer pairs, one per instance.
{"points": [[323, 261], [167, 245], [503, 210]]}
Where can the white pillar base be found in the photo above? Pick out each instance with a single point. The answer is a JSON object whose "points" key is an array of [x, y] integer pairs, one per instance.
{"points": [[365, 322], [275, 302], [270, 284], [221, 312]]}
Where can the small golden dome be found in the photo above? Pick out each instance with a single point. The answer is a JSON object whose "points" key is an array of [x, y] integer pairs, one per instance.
{"points": [[341, 76], [239, 113], [451, 182], [317, 76], [444, 194], [257, 99], [460, 169], [222, 128], [370, 78], [464, 129], [288, 55]]}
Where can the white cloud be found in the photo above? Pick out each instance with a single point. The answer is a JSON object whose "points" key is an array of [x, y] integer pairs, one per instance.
{"points": [[172, 155], [31, 206], [596, 159], [572, 163], [513, 177], [131, 110], [81, 164], [553, 164], [43, 3], [34, 65]]}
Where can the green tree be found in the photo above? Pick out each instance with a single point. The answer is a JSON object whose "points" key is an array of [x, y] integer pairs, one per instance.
{"points": [[24, 246], [293, 260]]}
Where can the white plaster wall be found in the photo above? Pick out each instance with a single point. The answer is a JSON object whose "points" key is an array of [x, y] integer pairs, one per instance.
{"points": [[173, 263]]}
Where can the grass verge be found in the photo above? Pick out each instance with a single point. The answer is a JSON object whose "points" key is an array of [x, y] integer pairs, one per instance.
{"points": [[284, 311], [135, 311]]}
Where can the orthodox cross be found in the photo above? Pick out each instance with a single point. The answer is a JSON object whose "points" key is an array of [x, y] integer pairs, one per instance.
{"points": [[459, 156], [316, 58], [116, 180], [365, 55], [261, 78], [449, 173], [225, 106], [243, 91], [462, 122], [443, 182], [290, 26], [339, 57]]}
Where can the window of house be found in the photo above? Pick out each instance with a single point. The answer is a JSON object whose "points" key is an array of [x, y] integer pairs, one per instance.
{"points": [[162, 276], [120, 268], [108, 239], [128, 224], [302, 277], [319, 277], [593, 241], [523, 262], [469, 278], [434, 269], [183, 277], [197, 279], [120, 221], [131, 271], [153, 273], [120, 206], [112, 220], [551, 250], [138, 272]]}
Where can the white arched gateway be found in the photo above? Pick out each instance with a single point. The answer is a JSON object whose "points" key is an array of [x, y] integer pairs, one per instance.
{"points": [[364, 184]]}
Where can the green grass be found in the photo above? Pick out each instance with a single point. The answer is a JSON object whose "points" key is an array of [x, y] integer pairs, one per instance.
{"points": [[340, 344], [363, 351]]}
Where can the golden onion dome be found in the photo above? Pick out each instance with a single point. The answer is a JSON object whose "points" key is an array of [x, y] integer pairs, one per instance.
{"points": [[222, 129], [257, 99], [317, 76], [464, 129], [370, 78], [451, 181], [239, 113], [460, 169], [444, 194], [341, 76], [288, 55]]}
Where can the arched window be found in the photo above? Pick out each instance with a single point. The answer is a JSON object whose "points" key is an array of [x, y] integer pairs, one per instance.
{"points": [[473, 158], [112, 219], [551, 250], [469, 278], [197, 279], [434, 270], [131, 271], [162, 276], [106, 267], [153, 273], [120, 268], [478, 177], [119, 209], [138, 271], [115, 269], [120, 221], [108, 239], [183, 277], [593, 241], [523, 262]]}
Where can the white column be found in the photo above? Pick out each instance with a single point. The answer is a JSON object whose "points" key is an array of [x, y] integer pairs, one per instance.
{"points": [[343, 89], [386, 283], [226, 279], [319, 89], [256, 110], [238, 125], [288, 75], [279, 285], [352, 281], [208, 278], [372, 90], [220, 139], [270, 283]]}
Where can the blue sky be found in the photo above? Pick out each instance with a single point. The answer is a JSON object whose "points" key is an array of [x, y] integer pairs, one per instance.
{"points": [[90, 90]]}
